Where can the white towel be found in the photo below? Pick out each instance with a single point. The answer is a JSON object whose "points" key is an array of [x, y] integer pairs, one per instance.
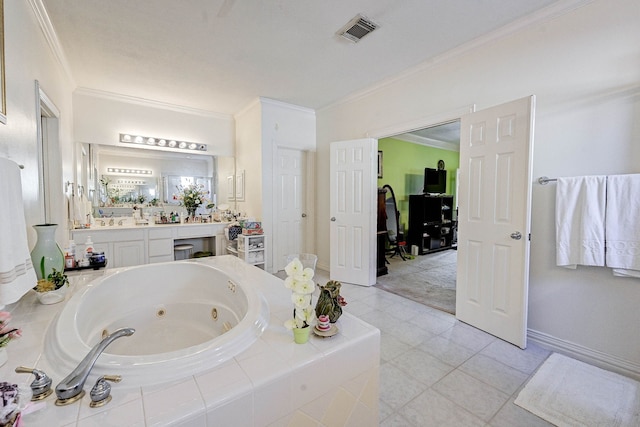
{"points": [[16, 270], [580, 221], [623, 224]]}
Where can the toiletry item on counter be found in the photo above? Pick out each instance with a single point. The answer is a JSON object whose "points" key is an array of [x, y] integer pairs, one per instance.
{"points": [[88, 251], [70, 255], [97, 258]]}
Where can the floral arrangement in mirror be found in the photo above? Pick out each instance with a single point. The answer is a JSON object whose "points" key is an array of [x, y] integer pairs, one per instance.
{"points": [[191, 197], [300, 281]]}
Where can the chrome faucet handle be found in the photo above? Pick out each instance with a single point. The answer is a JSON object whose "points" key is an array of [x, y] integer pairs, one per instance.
{"points": [[101, 391], [41, 385]]}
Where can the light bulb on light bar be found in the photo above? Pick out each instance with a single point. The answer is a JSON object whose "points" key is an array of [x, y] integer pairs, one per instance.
{"points": [[153, 141], [130, 171]]}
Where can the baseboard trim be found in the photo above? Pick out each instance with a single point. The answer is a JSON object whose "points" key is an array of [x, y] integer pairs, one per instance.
{"points": [[587, 355]]}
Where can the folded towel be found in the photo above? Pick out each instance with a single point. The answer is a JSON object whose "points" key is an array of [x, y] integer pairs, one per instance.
{"points": [[16, 270], [623, 224], [580, 221]]}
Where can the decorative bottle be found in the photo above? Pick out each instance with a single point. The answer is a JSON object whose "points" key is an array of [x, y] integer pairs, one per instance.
{"points": [[46, 254]]}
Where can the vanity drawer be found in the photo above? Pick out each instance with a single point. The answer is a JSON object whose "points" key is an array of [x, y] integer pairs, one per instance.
{"points": [[196, 231], [159, 247], [161, 233], [114, 235]]}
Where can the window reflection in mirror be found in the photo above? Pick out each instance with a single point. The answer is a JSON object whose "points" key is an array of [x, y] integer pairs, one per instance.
{"points": [[124, 177]]}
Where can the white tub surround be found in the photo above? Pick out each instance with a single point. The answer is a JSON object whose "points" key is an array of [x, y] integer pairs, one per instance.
{"points": [[333, 381], [129, 244]]}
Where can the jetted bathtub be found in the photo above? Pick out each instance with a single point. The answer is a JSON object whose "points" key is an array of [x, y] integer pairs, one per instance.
{"points": [[188, 317]]}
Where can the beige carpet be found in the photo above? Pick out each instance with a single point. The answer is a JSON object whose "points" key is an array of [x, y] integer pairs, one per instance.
{"points": [[427, 279], [567, 392]]}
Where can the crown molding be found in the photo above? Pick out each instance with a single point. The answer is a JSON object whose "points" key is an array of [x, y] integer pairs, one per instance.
{"points": [[112, 96], [283, 104], [545, 14], [51, 37], [246, 108], [427, 142]]}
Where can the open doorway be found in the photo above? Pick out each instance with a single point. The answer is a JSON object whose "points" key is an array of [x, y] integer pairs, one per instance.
{"points": [[421, 167]]}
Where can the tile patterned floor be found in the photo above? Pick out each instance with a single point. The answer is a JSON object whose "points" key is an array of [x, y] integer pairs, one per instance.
{"points": [[437, 371]]}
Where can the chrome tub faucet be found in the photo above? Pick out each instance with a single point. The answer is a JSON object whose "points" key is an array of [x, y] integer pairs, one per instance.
{"points": [[70, 389]]}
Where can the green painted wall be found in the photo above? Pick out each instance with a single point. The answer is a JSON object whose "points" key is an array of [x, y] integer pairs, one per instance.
{"points": [[403, 166]]}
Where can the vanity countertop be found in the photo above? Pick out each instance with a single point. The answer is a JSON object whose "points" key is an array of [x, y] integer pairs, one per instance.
{"points": [[129, 226]]}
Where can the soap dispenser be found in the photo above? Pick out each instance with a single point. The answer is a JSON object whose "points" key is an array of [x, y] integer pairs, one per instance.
{"points": [[88, 251]]}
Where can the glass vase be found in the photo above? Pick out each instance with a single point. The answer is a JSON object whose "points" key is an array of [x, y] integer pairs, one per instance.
{"points": [[46, 254]]}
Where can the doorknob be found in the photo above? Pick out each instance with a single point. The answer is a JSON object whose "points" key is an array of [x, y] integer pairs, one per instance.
{"points": [[516, 235], [304, 215], [333, 218]]}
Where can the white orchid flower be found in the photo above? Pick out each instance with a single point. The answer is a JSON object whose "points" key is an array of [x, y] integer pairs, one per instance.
{"points": [[294, 268], [307, 274], [304, 287], [290, 324], [301, 300], [290, 283], [310, 316]]}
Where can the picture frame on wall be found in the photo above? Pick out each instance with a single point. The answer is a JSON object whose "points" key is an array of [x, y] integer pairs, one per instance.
{"points": [[379, 164], [3, 94]]}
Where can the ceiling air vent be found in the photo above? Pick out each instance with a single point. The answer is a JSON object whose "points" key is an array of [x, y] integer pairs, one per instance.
{"points": [[357, 28]]}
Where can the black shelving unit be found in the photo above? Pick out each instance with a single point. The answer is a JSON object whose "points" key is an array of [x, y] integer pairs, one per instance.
{"points": [[431, 222]]}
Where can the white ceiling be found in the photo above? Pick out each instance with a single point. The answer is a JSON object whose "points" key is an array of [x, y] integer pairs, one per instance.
{"points": [[219, 55]]}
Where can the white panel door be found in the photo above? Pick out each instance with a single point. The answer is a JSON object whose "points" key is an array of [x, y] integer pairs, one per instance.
{"points": [[290, 214], [496, 147], [353, 211]]}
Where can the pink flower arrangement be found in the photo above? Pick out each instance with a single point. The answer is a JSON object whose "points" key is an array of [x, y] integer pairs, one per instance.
{"points": [[7, 333]]}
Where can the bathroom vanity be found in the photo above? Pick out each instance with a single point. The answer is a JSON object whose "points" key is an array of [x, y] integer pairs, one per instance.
{"points": [[130, 245]]}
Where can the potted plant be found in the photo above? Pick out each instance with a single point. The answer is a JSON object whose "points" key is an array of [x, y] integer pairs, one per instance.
{"points": [[300, 281], [52, 289]]}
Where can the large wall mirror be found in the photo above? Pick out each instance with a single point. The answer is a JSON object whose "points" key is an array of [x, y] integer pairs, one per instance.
{"points": [[113, 179]]}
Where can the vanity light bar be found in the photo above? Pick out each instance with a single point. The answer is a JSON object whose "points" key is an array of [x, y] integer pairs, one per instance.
{"points": [[161, 142], [129, 170]]}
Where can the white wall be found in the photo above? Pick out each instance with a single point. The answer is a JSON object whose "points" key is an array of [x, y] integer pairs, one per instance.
{"points": [[27, 59], [100, 118], [260, 128], [583, 67], [249, 158]]}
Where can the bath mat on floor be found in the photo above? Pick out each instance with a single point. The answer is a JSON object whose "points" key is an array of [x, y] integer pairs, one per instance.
{"points": [[567, 392]]}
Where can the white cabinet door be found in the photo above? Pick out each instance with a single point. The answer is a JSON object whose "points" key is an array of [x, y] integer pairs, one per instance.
{"points": [[126, 254]]}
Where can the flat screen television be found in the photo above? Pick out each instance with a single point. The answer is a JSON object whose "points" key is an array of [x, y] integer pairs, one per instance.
{"points": [[435, 181]]}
